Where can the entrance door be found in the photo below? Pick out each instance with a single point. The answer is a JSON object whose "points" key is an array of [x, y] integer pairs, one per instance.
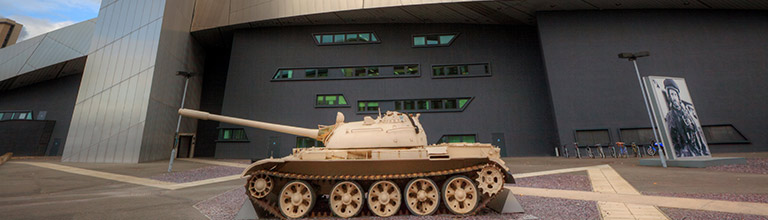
{"points": [[273, 148], [498, 140], [185, 146]]}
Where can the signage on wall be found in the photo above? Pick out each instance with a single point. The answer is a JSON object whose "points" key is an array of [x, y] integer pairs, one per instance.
{"points": [[676, 117]]}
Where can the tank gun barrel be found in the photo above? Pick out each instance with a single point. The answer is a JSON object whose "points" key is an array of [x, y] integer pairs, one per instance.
{"points": [[305, 132]]}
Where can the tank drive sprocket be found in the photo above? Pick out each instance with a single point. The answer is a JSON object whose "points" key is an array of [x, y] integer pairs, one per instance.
{"points": [[490, 180]]}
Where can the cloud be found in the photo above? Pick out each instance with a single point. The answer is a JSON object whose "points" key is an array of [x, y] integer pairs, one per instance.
{"points": [[33, 27], [50, 5]]}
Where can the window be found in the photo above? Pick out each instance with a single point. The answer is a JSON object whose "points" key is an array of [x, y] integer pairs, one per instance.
{"points": [[368, 106], [345, 38], [592, 137], [462, 138], [417, 105], [331, 101], [347, 72], [305, 142], [433, 40], [16, 115], [232, 134], [640, 136], [723, 134], [283, 74], [461, 70]]}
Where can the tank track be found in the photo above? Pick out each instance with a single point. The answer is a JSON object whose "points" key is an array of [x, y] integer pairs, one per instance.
{"points": [[273, 209]]}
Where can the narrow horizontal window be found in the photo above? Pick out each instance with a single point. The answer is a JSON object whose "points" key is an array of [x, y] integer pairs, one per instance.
{"points": [[345, 38], [723, 134], [331, 101], [347, 72], [232, 134], [16, 115], [416, 105], [433, 40], [305, 142], [461, 70], [461, 138]]}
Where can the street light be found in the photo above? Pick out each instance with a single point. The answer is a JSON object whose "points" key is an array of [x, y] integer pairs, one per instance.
{"points": [[186, 75], [633, 57]]}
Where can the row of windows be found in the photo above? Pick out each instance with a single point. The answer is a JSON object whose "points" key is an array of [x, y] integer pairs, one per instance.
{"points": [[715, 134], [401, 70], [433, 40], [415, 105], [345, 38], [232, 134], [465, 138], [419, 40], [331, 101], [19, 115]]}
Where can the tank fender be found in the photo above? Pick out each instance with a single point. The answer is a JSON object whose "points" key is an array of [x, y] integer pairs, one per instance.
{"points": [[265, 164]]}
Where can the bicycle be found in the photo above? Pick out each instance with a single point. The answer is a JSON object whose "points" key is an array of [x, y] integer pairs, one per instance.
{"points": [[636, 150], [652, 148], [622, 150]]}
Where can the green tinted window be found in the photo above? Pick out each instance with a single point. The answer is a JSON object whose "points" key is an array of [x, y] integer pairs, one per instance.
{"points": [[445, 39], [365, 37], [419, 41], [322, 73], [327, 39], [408, 105], [461, 70], [319, 38], [462, 102], [338, 38], [438, 71], [373, 106], [284, 74], [457, 139], [342, 101], [352, 38], [361, 106], [399, 70], [433, 40], [360, 71], [345, 38], [413, 69], [232, 134], [373, 71], [331, 100], [348, 72], [310, 73]]}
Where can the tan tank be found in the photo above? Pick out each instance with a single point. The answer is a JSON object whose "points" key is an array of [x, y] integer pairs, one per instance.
{"points": [[371, 167]]}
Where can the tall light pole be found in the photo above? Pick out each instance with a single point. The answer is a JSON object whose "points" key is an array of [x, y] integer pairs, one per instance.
{"points": [[186, 76], [633, 57]]}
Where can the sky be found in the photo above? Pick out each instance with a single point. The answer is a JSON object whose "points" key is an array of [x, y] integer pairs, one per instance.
{"points": [[41, 16]]}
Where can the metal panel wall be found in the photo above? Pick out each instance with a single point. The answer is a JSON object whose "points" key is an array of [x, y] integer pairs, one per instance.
{"points": [[109, 117]]}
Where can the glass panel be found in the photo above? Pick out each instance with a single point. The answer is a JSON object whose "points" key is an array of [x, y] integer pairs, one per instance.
{"points": [[422, 104], [432, 40], [349, 72], [282, 74], [437, 104], [360, 71], [462, 102], [469, 139], [22, 115], [342, 101], [373, 71], [438, 71], [330, 100], [373, 37], [464, 70], [339, 38], [450, 104], [452, 70], [29, 116], [418, 41], [227, 135], [352, 38], [413, 69], [408, 105], [361, 106], [445, 39], [453, 139], [320, 100], [322, 73], [327, 39], [310, 73], [398, 105], [399, 70], [318, 38], [373, 106], [364, 37], [1, 116]]}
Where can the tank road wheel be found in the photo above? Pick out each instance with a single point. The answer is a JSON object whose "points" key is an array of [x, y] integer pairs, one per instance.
{"points": [[260, 185], [346, 199], [422, 196], [460, 195], [296, 199], [490, 180], [384, 198]]}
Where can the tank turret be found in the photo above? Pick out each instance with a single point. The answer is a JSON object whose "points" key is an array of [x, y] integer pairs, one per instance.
{"points": [[392, 129]]}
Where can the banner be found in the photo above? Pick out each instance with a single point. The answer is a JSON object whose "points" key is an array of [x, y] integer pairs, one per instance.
{"points": [[676, 117]]}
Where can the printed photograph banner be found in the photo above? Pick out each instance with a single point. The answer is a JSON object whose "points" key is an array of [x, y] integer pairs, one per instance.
{"points": [[676, 117]]}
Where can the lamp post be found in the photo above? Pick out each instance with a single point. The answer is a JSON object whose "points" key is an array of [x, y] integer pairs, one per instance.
{"points": [[633, 57], [186, 76]]}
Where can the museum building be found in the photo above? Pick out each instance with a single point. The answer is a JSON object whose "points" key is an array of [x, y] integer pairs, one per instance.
{"points": [[527, 76]]}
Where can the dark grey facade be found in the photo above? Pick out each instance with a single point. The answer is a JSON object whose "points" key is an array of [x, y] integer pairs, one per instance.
{"points": [[55, 97], [514, 100], [721, 54]]}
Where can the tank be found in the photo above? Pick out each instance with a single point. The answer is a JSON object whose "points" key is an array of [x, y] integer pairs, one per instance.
{"points": [[374, 167]]}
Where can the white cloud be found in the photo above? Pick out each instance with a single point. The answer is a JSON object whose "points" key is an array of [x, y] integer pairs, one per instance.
{"points": [[33, 27], [51, 5]]}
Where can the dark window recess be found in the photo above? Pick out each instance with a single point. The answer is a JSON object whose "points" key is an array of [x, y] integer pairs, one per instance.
{"points": [[16, 115], [723, 134], [345, 38], [416, 105], [433, 40], [232, 134], [640, 136], [461, 70], [459, 138], [305, 142], [593, 137], [349, 72], [331, 101]]}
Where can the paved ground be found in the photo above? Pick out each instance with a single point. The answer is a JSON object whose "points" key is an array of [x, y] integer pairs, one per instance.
{"points": [[56, 191]]}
